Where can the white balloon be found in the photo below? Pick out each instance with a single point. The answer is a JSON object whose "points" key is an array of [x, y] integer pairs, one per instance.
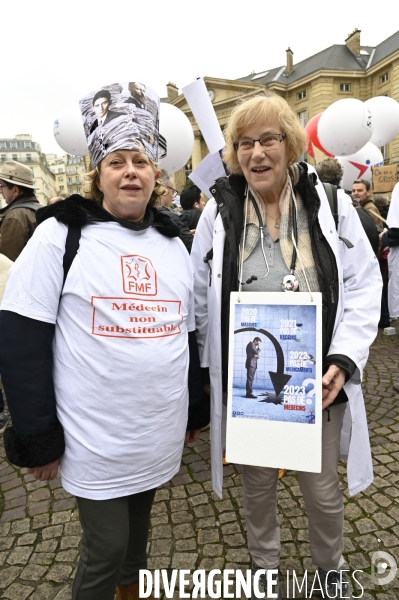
{"points": [[358, 165], [69, 132], [345, 127], [178, 132], [385, 113]]}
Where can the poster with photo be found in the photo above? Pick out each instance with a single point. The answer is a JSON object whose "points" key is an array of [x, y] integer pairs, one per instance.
{"points": [[274, 409], [121, 116]]}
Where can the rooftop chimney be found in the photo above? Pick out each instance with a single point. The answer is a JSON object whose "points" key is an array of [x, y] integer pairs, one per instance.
{"points": [[353, 42], [290, 61], [173, 91]]}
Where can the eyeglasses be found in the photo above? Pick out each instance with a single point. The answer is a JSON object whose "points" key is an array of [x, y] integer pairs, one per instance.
{"points": [[175, 192], [268, 141], [1, 186]]}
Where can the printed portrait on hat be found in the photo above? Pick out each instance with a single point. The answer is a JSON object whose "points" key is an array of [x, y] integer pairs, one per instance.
{"points": [[121, 116]]}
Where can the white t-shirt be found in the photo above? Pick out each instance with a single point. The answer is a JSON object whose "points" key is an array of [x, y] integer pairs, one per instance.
{"points": [[120, 350]]}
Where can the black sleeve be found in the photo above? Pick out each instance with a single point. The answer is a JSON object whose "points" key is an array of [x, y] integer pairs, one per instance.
{"points": [[185, 235], [26, 365], [199, 402], [391, 237], [341, 361]]}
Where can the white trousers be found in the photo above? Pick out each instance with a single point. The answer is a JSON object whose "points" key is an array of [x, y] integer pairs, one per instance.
{"points": [[323, 502]]}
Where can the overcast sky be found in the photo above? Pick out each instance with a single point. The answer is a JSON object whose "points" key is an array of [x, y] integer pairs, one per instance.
{"points": [[53, 53]]}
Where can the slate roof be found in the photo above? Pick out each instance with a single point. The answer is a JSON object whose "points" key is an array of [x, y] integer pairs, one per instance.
{"points": [[334, 58]]}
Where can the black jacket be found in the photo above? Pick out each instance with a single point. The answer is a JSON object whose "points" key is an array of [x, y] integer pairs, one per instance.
{"points": [[391, 237], [26, 355], [229, 194], [191, 217], [184, 232]]}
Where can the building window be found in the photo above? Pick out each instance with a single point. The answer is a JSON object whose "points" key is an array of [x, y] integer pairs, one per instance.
{"points": [[344, 87], [77, 178], [60, 170], [14, 145], [60, 178], [15, 156], [3, 157], [3, 145], [78, 189], [301, 95], [61, 188], [27, 145], [69, 180], [384, 78], [302, 118], [384, 152], [29, 157]]}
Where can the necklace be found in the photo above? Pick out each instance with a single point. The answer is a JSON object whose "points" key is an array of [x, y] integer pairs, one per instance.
{"points": [[277, 225]]}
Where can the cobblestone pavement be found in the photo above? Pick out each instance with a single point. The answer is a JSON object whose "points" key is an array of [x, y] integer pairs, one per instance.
{"points": [[192, 528]]}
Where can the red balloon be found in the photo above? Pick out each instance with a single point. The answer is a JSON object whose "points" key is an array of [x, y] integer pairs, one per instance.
{"points": [[311, 130]]}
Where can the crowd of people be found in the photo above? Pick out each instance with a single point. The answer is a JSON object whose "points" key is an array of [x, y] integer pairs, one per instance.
{"points": [[104, 307]]}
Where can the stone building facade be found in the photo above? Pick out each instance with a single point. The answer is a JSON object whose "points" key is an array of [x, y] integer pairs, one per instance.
{"points": [[350, 70]]}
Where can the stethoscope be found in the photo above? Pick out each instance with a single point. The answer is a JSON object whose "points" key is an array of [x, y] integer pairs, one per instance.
{"points": [[289, 282]]}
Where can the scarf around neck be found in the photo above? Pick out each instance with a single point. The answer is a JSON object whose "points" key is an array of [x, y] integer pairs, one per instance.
{"points": [[305, 268]]}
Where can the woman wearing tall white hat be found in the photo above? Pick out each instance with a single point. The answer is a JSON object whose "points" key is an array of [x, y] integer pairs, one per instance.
{"points": [[96, 308]]}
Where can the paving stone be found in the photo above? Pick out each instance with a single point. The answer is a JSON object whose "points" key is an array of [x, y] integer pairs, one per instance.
{"points": [[366, 525], [8, 575], [11, 515], [185, 560], [42, 558], [33, 572], [40, 521], [61, 517], [183, 531], [45, 591], [59, 573], [16, 591], [52, 532], [69, 541], [47, 546], [66, 556], [6, 543], [20, 555], [185, 545]]}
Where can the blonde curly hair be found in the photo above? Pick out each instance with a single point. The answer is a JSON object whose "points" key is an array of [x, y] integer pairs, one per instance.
{"points": [[91, 190], [261, 109]]}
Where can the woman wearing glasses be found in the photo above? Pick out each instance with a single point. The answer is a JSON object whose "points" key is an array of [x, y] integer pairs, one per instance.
{"points": [[267, 190]]}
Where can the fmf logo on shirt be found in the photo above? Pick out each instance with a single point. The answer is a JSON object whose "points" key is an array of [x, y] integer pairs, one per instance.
{"points": [[139, 276]]}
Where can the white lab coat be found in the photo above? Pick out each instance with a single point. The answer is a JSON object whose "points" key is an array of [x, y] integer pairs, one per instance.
{"points": [[355, 327], [393, 257]]}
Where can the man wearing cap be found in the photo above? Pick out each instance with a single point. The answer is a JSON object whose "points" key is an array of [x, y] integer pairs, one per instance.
{"points": [[18, 218]]}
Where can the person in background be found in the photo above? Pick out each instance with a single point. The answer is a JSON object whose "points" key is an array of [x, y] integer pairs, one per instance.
{"points": [[18, 218], [330, 170], [383, 206], [361, 192], [192, 204], [164, 204]]}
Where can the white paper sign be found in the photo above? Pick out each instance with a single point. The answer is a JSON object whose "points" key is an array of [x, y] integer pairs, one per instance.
{"points": [[206, 173], [201, 106], [274, 412]]}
